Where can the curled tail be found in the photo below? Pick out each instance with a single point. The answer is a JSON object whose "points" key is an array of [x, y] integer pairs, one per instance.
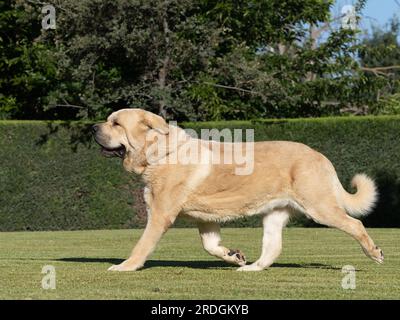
{"points": [[360, 203]]}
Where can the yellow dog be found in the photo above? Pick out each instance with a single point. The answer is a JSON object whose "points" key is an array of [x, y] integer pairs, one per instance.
{"points": [[286, 178]]}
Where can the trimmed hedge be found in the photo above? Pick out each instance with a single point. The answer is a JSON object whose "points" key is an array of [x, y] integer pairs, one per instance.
{"points": [[52, 176]]}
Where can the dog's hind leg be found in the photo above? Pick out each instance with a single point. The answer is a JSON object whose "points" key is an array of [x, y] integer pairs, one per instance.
{"points": [[273, 223], [338, 218], [211, 238]]}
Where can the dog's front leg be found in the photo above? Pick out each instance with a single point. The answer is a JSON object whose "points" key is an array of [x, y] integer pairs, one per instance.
{"points": [[211, 238], [157, 225]]}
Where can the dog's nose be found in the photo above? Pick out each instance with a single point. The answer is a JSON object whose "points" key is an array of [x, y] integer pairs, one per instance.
{"points": [[95, 128]]}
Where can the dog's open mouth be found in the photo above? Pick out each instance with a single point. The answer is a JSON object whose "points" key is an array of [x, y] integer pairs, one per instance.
{"points": [[117, 152]]}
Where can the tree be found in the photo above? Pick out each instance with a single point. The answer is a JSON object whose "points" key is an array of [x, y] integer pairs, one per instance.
{"points": [[380, 60], [280, 68], [187, 60], [114, 54], [26, 66], [191, 59]]}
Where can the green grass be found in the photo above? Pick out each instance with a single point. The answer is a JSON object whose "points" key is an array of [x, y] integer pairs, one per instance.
{"points": [[309, 267]]}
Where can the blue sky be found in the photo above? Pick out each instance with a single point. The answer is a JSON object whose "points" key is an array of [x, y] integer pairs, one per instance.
{"points": [[380, 11]]}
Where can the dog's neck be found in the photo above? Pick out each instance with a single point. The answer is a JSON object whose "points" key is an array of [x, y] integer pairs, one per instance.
{"points": [[137, 161]]}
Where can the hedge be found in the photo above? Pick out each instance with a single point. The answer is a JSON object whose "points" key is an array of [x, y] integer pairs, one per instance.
{"points": [[52, 176]]}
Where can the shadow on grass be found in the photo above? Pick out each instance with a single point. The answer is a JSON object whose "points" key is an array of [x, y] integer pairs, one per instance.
{"points": [[79, 133], [202, 264]]}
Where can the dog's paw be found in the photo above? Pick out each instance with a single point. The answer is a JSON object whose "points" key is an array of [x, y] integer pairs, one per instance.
{"points": [[236, 257], [250, 267], [124, 267], [378, 256], [375, 254]]}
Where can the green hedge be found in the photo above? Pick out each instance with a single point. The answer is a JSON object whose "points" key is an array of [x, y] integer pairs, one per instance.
{"points": [[52, 176]]}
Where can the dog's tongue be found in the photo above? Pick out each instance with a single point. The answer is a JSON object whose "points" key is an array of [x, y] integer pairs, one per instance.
{"points": [[107, 152], [119, 152]]}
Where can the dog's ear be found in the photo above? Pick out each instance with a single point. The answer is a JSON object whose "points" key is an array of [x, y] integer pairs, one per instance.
{"points": [[156, 122], [148, 120]]}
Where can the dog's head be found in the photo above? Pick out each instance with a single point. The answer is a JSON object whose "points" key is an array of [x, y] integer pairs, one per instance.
{"points": [[125, 135]]}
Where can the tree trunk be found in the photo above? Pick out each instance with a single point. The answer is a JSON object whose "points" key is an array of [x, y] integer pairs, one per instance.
{"points": [[163, 73]]}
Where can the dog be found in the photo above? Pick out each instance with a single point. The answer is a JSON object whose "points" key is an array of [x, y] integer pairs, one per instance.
{"points": [[287, 178]]}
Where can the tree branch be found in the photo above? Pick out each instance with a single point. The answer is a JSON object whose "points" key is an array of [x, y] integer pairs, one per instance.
{"points": [[70, 106], [47, 3], [162, 75], [380, 70], [231, 88]]}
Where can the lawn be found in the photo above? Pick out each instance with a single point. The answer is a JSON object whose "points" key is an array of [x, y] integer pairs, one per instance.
{"points": [[310, 266]]}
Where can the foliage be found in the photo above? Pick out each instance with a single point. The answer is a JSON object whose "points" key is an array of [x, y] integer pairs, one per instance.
{"points": [[186, 59], [56, 178], [27, 68], [141, 55], [380, 56]]}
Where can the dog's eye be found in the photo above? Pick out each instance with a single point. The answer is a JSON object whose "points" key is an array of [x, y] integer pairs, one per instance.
{"points": [[115, 123]]}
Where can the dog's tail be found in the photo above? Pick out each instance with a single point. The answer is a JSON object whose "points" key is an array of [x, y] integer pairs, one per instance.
{"points": [[362, 202]]}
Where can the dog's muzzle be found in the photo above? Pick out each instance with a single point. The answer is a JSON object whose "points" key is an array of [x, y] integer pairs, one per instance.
{"points": [[107, 152]]}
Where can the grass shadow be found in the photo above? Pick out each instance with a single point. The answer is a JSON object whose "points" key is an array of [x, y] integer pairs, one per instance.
{"points": [[199, 264], [79, 133], [92, 260], [306, 266]]}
